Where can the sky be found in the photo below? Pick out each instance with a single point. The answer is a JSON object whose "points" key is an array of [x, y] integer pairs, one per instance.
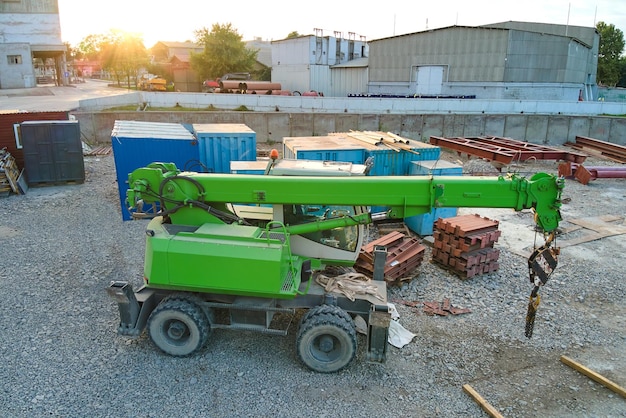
{"points": [[176, 21]]}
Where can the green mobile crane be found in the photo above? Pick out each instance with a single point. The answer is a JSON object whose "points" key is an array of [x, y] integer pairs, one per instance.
{"points": [[233, 251]]}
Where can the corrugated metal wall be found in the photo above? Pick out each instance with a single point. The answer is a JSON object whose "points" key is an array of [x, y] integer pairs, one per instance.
{"points": [[320, 77], [475, 59], [542, 58], [471, 54], [7, 134], [348, 80]]}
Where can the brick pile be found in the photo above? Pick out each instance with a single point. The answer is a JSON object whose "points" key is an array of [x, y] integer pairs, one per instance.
{"points": [[464, 245], [404, 254]]}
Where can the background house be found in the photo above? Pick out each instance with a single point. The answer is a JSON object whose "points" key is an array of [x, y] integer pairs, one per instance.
{"points": [[30, 45], [173, 58], [263, 66]]}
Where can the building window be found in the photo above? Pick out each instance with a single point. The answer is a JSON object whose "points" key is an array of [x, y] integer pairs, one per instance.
{"points": [[14, 59], [18, 135]]}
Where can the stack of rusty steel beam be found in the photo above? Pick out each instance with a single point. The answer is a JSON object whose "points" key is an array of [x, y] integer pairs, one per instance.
{"points": [[504, 151], [404, 254], [599, 148], [585, 174], [465, 245]]}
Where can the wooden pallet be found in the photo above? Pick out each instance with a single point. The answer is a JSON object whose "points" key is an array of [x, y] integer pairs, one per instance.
{"points": [[9, 173]]}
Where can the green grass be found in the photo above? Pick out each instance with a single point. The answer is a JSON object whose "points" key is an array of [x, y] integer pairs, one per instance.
{"points": [[177, 108]]}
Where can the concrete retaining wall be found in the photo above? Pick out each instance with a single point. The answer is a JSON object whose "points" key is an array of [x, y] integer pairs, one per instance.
{"points": [[357, 105], [272, 127]]}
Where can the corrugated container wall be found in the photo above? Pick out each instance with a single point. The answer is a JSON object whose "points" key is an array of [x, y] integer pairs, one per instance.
{"points": [[344, 148], [137, 144], [53, 151], [221, 143], [323, 148], [424, 224]]}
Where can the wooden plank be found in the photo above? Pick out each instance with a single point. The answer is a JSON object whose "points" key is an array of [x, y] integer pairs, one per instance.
{"points": [[594, 376], [370, 139], [22, 184], [600, 227], [493, 412]]}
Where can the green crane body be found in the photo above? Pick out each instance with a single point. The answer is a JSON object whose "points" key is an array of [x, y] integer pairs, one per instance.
{"points": [[232, 251], [200, 245]]}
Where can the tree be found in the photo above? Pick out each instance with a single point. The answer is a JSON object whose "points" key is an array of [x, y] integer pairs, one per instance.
{"points": [[224, 52], [91, 46], [124, 55], [121, 53], [609, 54], [293, 34]]}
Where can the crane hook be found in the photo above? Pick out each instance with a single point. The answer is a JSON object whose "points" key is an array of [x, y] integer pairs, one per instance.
{"points": [[541, 265]]}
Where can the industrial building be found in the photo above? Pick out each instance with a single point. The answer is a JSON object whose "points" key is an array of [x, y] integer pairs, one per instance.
{"points": [[31, 48], [306, 63], [509, 60]]}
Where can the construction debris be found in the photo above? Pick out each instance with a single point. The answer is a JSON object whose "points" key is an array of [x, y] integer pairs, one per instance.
{"points": [[464, 245], [9, 174], [443, 308], [404, 254], [349, 284], [89, 151], [504, 151], [599, 148], [586, 174]]}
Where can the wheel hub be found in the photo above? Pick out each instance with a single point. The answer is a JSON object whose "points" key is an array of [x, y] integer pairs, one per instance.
{"points": [[176, 330], [326, 344]]}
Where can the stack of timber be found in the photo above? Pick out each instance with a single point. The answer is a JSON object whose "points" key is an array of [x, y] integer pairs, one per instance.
{"points": [[9, 174], [464, 245], [383, 139], [404, 254]]}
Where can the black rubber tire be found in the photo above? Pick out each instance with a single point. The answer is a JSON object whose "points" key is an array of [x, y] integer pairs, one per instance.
{"points": [[197, 300], [324, 309], [326, 342], [179, 327]]}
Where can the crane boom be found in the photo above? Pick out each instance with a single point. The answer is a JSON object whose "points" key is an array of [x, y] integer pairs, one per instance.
{"points": [[180, 192]]}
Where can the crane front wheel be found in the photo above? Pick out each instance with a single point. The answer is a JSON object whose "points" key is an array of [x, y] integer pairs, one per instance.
{"points": [[179, 327], [326, 342]]}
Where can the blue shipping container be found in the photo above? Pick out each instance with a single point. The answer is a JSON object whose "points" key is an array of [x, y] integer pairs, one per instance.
{"points": [[136, 144], [323, 148], [423, 224], [221, 143]]}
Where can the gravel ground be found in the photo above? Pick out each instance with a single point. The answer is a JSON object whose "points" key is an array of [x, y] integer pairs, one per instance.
{"points": [[60, 247]]}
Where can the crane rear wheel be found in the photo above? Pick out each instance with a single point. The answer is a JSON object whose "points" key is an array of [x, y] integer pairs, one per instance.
{"points": [[179, 327], [326, 342]]}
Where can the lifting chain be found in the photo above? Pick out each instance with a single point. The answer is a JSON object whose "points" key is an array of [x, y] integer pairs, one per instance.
{"points": [[541, 264]]}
